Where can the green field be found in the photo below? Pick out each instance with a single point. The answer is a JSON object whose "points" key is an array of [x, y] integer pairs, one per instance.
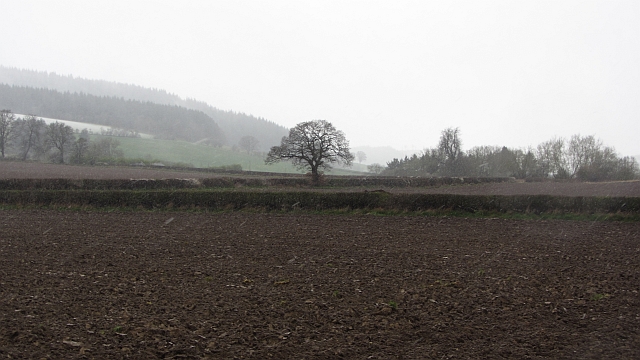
{"points": [[203, 156]]}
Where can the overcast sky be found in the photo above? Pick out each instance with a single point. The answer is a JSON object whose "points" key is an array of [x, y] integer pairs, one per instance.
{"points": [[395, 73]]}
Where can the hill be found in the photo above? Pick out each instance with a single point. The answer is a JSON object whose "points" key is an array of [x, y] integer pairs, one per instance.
{"points": [[234, 125], [163, 121]]}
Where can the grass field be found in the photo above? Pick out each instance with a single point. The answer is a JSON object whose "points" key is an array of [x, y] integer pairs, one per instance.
{"points": [[202, 156]]}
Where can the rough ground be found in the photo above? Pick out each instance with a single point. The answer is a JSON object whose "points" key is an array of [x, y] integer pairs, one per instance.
{"points": [[239, 285], [35, 170]]}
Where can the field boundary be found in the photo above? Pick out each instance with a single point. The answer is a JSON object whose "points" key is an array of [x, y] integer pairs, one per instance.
{"points": [[230, 182], [320, 201]]}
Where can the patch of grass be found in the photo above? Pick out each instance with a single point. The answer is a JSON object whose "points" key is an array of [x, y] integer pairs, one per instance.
{"points": [[178, 151], [394, 305], [597, 297], [204, 156]]}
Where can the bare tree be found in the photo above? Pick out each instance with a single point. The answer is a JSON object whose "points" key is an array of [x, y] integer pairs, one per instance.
{"points": [[313, 145], [30, 135], [450, 148], [582, 152], [7, 127], [361, 156], [59, 136], [80, 148], [248, 143], [550, 155]]}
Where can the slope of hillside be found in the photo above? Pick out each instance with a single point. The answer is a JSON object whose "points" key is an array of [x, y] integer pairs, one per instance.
{"points": [[163, 121], [234, 125]]}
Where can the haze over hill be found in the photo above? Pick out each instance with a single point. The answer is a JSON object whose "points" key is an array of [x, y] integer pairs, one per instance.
{"points": [[153, 111], [163, 121], [233, 125]]}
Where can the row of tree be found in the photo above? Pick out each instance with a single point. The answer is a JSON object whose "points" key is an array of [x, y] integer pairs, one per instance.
{"points": [[579, 157], [31, 138]]}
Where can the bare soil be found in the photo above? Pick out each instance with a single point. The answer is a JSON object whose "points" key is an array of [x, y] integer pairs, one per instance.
{"points": [[146, 285], [35, 170]]}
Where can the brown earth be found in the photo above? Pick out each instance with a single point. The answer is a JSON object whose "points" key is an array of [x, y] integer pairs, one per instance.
{"points": [[147, 285], [23, 170], [34, 170]]}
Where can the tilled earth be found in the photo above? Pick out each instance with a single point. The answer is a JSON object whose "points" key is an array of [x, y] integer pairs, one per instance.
{"points": [[241, 285]]}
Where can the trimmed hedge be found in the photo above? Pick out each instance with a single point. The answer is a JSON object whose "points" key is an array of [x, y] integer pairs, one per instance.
{"points": [[309, 200], [230, 182]]}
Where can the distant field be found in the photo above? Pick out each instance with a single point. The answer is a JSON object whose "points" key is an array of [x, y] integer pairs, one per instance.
{"points": [[80, 126], [203, 156]]}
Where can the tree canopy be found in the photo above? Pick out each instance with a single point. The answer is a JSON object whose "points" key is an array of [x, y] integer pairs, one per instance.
{"points": [[313, 145]]}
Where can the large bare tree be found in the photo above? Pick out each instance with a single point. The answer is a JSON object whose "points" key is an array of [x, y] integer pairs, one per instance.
{"points": [[313, 145]]}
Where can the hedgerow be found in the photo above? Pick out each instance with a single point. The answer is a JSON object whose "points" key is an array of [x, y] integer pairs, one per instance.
{"points": [[229, 182], [310, 200]]}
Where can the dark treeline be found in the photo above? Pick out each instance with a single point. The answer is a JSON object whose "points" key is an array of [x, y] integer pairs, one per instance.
{"points": [[580, 157], [234, 125], [163, 121], [62, 83]]}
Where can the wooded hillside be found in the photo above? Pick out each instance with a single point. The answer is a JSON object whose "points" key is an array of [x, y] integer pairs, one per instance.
{"points": [[163, 121], [234, 125]]}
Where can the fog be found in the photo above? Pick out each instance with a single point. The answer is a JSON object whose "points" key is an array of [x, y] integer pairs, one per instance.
{"points": [[387, 73]]}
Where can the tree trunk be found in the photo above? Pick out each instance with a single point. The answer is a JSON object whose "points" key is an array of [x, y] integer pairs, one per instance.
{"points": [[315, 177], [26, 153]]}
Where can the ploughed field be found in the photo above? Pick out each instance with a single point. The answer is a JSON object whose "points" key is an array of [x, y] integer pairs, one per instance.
{"points": [[256, 285]]}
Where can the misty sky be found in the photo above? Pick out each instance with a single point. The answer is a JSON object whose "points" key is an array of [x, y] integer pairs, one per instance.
{"points": [[396, 73]]}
